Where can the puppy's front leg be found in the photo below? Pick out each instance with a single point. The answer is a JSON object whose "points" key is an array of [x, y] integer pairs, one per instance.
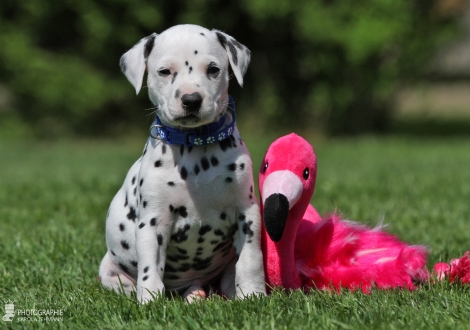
{"points": [[249, 272], [152, 237]]}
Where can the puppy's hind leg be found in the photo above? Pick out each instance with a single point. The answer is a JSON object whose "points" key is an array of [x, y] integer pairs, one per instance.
{"points": [[227, 282], [114, 278], [194, 293]]}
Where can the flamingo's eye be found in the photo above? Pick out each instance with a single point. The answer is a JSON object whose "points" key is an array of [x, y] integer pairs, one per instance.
{"points": [[265, 167], [306, 173]]}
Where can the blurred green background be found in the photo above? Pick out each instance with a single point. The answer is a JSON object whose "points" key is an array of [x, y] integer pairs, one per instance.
{"points": [[327, 67]]}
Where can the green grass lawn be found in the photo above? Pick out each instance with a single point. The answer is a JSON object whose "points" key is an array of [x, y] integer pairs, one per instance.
{"points": [[54, 198]]}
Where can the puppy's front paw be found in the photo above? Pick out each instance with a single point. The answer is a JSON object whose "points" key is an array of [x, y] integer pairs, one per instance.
{"points": [[146, 295], [246, 291]]}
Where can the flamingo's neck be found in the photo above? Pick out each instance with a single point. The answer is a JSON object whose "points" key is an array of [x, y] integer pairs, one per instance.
{"points": [[279, 262]]}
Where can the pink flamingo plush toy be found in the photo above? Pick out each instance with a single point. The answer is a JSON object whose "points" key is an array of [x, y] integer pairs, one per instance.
{"points": [[302, 250]]}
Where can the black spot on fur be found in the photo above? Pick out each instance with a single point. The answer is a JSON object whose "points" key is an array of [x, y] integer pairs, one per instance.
{"points": [[183, 212], [232, 141], [196, 169], [251, 189], [232, 167], [141, 225], [126, 203], [195, 52], [153, 221], [133, 180], [184, 173], [135, 191], [237, 44], [218, 232], [149, 45], [125, 245], [250, 196], [182, 251], [163, 149], [224, 42], [241, 217], [124, 268], [214, 241], [190, 148], [144, 204], [173, 80], [146, 269], [201, 264], [234, 53], [171, 208], [122, 227], [202, 34], [112, 252], [242, 166], [222, 39], [145, 278], [171, 183], [158, 163], [177, 258], [170, 268], [160, 239], [248, 231], [204, 229], [205, 163], [233, 229], [200, 240], [186, 63], [180, 235], [131, 215], [134, 263], [214, 161], [223, 216], [218, 246], [190, 69], [228, 143], [184, 267], [141, 182], [228, 179]]}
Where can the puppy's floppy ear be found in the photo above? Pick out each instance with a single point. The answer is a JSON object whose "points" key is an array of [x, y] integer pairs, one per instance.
{"points": [[238, 55], [134, 62]]}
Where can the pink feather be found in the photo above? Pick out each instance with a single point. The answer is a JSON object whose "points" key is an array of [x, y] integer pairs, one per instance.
{"points": [[457, 270]]}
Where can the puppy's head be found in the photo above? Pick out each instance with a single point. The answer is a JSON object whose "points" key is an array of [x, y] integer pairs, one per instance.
{"points": [[187, 72]]}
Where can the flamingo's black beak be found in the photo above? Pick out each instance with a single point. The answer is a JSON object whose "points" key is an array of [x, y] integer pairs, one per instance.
{"points": [[275, 213]]}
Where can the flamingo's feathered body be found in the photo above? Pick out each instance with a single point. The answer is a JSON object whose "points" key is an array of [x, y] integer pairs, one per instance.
{"points": [[303, 250]]}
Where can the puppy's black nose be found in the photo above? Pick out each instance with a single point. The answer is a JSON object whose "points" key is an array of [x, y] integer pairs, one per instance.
{"points": [[191, 102]]}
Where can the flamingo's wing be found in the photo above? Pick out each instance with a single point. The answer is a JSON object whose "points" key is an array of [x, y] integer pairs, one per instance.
{"points": [[340, 253]]}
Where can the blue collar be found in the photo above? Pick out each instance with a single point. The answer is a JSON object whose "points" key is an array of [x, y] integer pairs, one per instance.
{"points": [[207, 134]]}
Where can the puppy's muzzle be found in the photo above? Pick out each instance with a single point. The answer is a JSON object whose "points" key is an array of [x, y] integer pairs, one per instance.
{"points": [[191, 102]]}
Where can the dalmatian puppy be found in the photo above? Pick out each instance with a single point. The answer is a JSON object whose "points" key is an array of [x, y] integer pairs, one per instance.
{"points": [[186, 216]]}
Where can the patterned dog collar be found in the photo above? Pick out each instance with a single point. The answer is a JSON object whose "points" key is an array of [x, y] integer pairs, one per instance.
{"points": [[207, 134]]}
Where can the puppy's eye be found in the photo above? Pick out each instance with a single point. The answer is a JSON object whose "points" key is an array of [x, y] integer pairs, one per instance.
{"points": [[164, 72], [212, 69], [306, 173]]}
